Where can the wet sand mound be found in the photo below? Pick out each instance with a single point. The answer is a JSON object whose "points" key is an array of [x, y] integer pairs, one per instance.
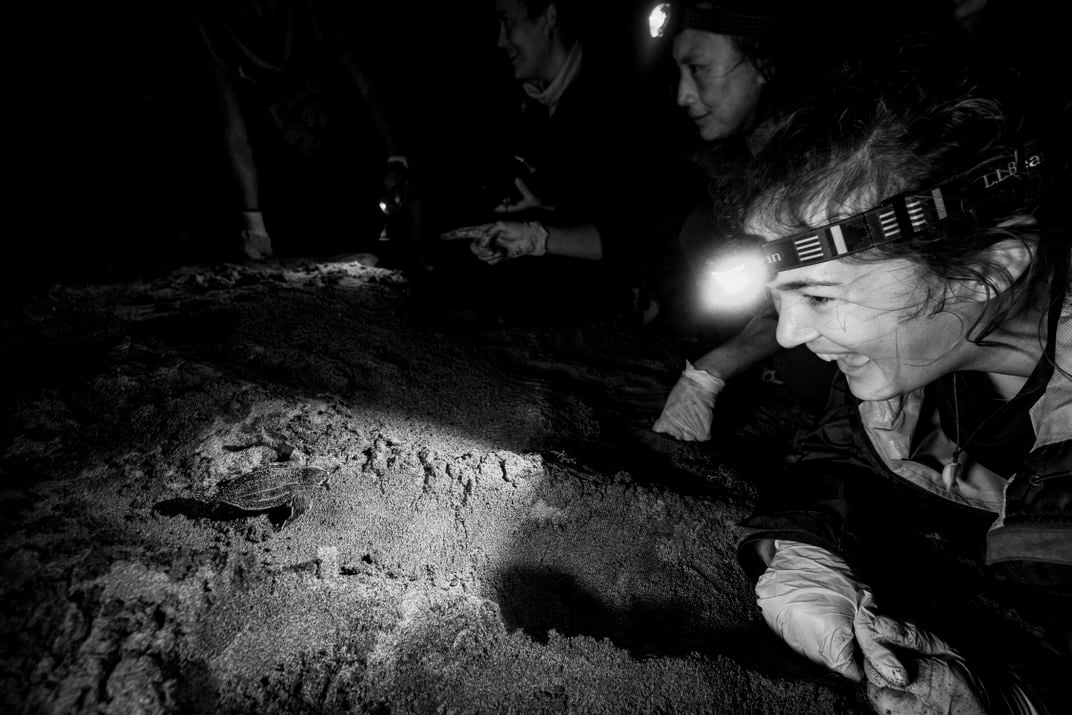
{"points": [[499, 530]]}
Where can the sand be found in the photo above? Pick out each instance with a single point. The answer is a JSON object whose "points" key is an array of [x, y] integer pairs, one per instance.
{"points": [[500, 530]]}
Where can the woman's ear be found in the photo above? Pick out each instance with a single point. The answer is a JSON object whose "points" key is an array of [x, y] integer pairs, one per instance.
{"points": [[550, 19], [1003, 265], [763, 70]]}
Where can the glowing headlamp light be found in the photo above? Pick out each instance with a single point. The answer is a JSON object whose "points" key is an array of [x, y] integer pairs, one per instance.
{"points": [[659, 19], [722, 17], [736, 278]]}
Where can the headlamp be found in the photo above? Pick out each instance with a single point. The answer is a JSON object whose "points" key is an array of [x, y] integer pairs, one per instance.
{"points": [[984, 189], [722, 17], [659, 19], [736, 277]]}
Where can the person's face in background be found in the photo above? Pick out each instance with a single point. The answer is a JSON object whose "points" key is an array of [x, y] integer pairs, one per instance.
{"points": [[717, 85], [526, 40]]}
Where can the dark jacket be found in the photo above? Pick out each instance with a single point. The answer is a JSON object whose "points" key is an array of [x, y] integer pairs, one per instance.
{"points": [[597, 161], [988, 562]]}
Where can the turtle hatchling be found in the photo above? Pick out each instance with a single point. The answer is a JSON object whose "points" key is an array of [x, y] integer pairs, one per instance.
{"points": [[271, 486]]}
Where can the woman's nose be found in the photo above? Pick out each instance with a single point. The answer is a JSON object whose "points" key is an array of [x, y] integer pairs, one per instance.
{"points": [[686, 91], [794, 327]]}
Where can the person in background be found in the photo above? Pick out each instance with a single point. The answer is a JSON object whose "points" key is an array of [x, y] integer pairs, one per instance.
{"points": [[916, 231], [582, 188], [313, 154], [742, 64]]}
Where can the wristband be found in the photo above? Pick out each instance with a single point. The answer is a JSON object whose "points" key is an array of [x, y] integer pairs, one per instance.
{"points": [[704, 378], [541, 237], [253, 220]]}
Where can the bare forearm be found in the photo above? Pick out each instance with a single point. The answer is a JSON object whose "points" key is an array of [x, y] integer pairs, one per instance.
{"points": [[381, 114], [756, 342], [575, 241], [242, 168], [234, 136]]}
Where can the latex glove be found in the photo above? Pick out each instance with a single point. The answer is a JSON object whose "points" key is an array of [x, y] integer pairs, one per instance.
{"points": [[811, 598], [942, 681], [254, 241], [688, 410], [527, 202], [503, 240]]}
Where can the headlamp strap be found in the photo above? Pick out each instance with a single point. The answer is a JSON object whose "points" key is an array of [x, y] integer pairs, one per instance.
{"points": [[713, 18], [905, 215]]}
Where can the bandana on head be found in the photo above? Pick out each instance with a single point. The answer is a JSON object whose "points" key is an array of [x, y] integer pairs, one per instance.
{"points": [[741, 18]]}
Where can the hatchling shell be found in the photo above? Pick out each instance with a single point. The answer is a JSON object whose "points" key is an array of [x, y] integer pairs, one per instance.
{"points": [[270, 486]]}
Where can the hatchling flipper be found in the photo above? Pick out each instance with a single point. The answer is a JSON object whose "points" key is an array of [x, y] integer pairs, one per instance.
{"points": [[299, 504], [271, 486]]}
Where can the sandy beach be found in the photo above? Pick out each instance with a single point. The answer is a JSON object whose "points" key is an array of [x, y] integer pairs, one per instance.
{"points": [[499, 530]]}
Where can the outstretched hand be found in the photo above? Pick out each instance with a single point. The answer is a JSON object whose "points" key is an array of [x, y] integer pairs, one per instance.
{"points": [[528, 202], [940, 682], [255, 245], [811, 598], [254, 242], [502, 240], [689, 408]]}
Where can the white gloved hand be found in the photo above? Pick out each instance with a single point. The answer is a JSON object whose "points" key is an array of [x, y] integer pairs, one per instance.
{"points": [[942, 682], [812, 600], [502, 240], [688, 410]]}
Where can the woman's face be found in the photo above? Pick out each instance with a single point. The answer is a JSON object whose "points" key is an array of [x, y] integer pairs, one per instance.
{"points": [[874, 321], [717, 85], [526, 40]]}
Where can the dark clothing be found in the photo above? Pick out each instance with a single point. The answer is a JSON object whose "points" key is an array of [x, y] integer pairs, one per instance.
{"points": [[318, 151], [594, 163], [679, 267], [986, 564]]}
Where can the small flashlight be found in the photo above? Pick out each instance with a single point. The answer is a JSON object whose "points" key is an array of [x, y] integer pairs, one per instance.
{"points": [[659, 19], [386, 215]]}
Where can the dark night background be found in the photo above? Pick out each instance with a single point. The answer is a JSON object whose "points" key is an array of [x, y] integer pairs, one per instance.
{"points": [[124, 154], [118, 123]]}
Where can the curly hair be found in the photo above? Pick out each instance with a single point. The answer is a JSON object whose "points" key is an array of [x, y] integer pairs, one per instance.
{"points": [[890, 127]]}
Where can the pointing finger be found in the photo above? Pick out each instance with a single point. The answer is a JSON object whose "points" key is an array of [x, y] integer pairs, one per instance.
{"points": [[465, 233]]}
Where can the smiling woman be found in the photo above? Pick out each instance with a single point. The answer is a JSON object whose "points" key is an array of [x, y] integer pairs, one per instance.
{"points": [[922, 286], [908, 221], [865, 316]]}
